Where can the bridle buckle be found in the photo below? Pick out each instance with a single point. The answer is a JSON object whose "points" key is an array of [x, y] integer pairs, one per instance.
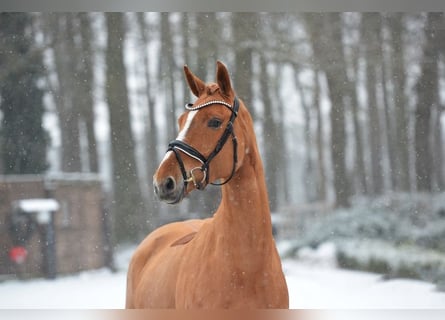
{"points": [[192, 178]]}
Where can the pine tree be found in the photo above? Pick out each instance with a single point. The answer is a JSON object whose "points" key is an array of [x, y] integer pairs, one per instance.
{"points": [[23, 139]]}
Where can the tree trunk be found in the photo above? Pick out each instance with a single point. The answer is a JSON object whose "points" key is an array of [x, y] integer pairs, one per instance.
{"points": [[309, 177], [86, 89], [326, 36], [270, 136], [128, 206], [438, 142], [167, 76], [389, 112], [427, 89], [244, 32], [207, 34], [321, 179], [281, 146], [151, 130], [370, 28], [65, 56], [360, 169], [186, 52], [397, 29]]}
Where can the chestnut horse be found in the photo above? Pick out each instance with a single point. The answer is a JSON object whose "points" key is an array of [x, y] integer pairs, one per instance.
{"points": [[229, 260]]}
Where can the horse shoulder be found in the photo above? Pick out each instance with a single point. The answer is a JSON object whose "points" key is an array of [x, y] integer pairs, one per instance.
{"points": [[153, 248]]}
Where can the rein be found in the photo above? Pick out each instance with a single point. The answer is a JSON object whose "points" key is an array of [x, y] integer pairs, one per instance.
{"points": [[178, 145]]}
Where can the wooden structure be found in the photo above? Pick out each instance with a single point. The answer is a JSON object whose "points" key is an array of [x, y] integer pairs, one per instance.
{"points": [[79, 224]]}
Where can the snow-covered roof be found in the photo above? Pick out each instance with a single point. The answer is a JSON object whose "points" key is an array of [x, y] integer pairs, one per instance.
{"points": [[36, 205]]}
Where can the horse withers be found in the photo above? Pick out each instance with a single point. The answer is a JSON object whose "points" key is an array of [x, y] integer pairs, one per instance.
{"points": [[229, 260]]}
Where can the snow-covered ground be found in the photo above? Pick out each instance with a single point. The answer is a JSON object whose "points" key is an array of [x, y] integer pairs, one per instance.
{"points": [[314, 283]]}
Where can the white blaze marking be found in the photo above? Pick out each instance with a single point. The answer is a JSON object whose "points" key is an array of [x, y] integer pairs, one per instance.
{"points": [[182, 133], [187, 125], [166, 155]]}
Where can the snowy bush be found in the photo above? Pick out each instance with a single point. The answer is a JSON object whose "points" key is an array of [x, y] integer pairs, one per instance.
{"points": [[394, 261], [397, 234]]}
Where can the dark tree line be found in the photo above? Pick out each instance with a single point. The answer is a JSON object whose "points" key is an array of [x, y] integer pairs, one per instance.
{"points": [[345, 104], [22, 137]]}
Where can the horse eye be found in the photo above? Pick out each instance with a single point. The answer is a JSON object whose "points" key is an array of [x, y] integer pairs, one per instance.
{"points": [[214, 123]]}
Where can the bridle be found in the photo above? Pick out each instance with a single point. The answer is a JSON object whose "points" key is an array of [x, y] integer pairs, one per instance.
{"points": [[178, 145]]}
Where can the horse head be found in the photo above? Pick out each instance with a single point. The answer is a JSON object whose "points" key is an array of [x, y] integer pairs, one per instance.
{"points": [[206, 150]]}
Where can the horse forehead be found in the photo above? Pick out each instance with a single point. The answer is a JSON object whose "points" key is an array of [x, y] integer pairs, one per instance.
{"points": [[212, 88], [187, 125]]}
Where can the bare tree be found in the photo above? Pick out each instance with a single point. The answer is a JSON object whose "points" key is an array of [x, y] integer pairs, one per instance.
{"points": [[128, 206], [309, 177], [438, 142], [321, 179], [397, 30], [427, 89], [186, 49], [359, 161], [370, 28], [325, 31], [167, 75], [85, 84], [271, 137], [438, 163], [59, 31], [244, 33], [388, 110], [281, 145], [207, 35], [151, 129]]}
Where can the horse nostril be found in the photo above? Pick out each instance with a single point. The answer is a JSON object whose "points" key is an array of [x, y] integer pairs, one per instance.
{"points": [[169, 184]]}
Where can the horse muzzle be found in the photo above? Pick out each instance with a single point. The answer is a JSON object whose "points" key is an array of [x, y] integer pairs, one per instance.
{"points": [[169, 190]]}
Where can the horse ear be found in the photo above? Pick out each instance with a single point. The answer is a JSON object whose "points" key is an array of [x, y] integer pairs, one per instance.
{"points": [[223, 79], [195, 84]]}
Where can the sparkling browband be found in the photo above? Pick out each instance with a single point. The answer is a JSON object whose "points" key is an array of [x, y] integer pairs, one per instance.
{"points": [[189, 106]]}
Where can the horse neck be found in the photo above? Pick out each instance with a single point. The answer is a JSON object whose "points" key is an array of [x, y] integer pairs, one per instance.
{"points": [[244, 215]]}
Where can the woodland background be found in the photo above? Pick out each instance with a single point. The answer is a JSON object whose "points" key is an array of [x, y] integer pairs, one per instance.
{"points": [[345, 104]]}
